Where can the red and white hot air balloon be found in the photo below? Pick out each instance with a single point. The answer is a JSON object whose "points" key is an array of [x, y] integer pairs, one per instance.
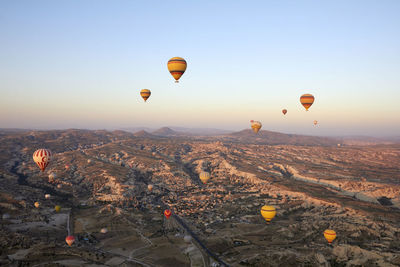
{"points": [[42, 157]]}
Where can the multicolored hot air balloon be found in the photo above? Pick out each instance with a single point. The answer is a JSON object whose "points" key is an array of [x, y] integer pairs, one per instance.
{"points": [[57, 208], [255, 125], [70, 240], [42, 158], [177, 67], [315, 122], [329, 235], [36, 204], [284, 111], [268, 212], [204, 176], [167, 213], [307, 100], [145, 94]]}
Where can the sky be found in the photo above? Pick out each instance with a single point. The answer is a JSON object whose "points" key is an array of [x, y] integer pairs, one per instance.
{"points": [[82, 64]]}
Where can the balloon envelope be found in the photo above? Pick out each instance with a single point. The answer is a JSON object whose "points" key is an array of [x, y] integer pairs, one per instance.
{"points": [[177, 67], [284, 111], [42, 158], [47, 196], [315, 122], [36, 204], [167, 213], [329, 235], [103, 230], [268, 212], [307, 100], [70, 240], [145, 94], [57, 208], [256, 126], [205, 176], [150, 187]]}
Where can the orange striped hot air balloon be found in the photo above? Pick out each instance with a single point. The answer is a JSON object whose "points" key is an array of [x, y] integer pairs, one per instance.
{"points": [[167, 213], [145, 94], [177, 67], [42, 158], [284, 111], [268, 212], [307, 100], [329, 235], [70, 240]]}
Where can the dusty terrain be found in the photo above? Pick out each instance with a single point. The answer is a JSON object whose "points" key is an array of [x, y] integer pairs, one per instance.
{"points": [[354, 190]]}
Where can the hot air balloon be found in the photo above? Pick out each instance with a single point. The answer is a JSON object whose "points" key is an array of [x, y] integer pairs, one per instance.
{"points": [[52, 176], [42, 157], [167, 213], [315, 122], [47, 196], [67, 167], [103, 230], [205, 176], [150, 187], [177, 67], [255, 125], [284, 111], [338, 145], [36, 204], [70, 240], [57, 208], [268, 212], [330, 235], [307, 100], [89, 161], [187, 238], [59, 186], [145, 93]]}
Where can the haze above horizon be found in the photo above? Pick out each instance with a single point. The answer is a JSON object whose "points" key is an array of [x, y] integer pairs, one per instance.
{"points": [[81, 64]]}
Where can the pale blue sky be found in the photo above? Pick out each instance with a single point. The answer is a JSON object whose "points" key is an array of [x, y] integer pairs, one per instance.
{"points": [[81, 64]]}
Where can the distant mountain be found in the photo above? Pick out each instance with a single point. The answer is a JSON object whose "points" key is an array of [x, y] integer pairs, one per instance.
{"points": [[143, 133], [367, 140], [200, 131], [275, 138], [165, 131]]}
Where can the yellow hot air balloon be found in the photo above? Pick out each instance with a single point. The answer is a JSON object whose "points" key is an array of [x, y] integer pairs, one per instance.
{"points": [[177, 67], [205, 176], [330, 235], [268, 212], [255, 125], [145, 93], [36, 204], [307, 100], [57, 208]]}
